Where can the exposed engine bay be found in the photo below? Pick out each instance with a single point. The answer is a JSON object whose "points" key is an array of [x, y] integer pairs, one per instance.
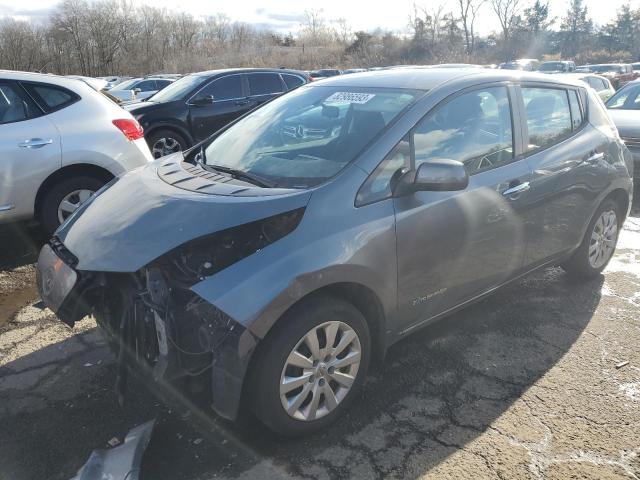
{"points": [[156, 323]]}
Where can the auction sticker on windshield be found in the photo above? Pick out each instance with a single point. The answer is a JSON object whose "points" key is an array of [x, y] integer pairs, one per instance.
{"points": [[350, 97]]}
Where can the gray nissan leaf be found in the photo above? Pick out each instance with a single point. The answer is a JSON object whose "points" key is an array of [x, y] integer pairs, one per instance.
{"points": [[274, 262]]}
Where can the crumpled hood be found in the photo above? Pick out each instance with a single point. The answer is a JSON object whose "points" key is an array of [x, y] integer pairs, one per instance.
{"points": [[627, 122], [141, 217]]}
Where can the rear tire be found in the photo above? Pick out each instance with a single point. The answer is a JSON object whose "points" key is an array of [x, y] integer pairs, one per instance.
{"points": [[165, 142], [67, 190], [318, 317], [599, 243]]}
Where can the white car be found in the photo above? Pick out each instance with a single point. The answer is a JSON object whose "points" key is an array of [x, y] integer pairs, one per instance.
{"points": [[60, 141], [139, 88]]}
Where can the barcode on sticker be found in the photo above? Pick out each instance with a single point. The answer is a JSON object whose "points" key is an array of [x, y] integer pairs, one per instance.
{"points": [[350, 97]]}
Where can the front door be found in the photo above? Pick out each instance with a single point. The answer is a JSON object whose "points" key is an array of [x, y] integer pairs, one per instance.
{"points": [[453, 246], [230, 101]]}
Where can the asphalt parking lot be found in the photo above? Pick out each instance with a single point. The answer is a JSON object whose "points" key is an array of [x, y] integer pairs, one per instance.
{"points": [[541, 380]]}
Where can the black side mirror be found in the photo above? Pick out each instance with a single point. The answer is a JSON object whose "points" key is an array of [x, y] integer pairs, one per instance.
{"points": [[202, 101], [436, 175]]}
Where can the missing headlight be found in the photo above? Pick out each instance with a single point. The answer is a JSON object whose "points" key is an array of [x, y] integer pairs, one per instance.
{"points": [[202, 257]]}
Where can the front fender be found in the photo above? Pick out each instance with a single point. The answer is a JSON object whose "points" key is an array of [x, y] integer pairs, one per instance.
{"points": [[257, 290]]}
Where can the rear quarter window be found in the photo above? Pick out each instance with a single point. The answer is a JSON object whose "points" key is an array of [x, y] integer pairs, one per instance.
{"points": [[51, 97]]}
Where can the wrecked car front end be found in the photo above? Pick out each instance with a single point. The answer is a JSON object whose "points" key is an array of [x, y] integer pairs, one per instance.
{"points": [[134, 255]]}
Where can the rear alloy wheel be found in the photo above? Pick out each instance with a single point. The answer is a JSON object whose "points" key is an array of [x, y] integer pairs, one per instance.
{"points": [[310, 367], [64, 198], [71, 202], [603, 239], [598, 244]]}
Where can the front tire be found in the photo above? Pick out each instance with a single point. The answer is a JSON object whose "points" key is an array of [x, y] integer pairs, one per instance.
{"points": [[310, 368], [599, 243], [165, 142]]}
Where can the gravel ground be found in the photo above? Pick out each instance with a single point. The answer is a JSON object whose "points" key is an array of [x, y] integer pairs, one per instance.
{"points": [[529, 383]]}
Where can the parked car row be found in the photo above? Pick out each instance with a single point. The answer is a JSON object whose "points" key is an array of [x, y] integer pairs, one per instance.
{"points": [[274, 263]]}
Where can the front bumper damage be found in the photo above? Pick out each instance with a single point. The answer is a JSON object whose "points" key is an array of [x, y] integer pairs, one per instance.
{"points": [[156, 326]]}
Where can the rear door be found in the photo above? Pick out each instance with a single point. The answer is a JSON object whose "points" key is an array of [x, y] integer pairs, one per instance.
{"points": [[453, 246], [565, 153], [263, 86], [230, 100], [29, 151]]}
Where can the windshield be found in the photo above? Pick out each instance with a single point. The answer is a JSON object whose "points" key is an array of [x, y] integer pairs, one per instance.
{"points": [[178, 89], [551, 66], [605, 68], [627, 98], [307, 136]]}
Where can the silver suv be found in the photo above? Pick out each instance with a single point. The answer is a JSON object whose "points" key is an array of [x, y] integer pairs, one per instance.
{"points": [[60, 141]]}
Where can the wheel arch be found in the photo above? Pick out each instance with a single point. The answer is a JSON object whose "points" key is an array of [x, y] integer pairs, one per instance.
{"points": [[621, 197], [183, 132], [357, 294], [76, 169]]}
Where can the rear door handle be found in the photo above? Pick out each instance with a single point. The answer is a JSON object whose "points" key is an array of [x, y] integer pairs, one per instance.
{"points": [[520, 188], [595, 157], [35, 143]]}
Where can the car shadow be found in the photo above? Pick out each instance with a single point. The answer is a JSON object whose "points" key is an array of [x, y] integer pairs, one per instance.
{"points": [[20, 244], [441, 387]]}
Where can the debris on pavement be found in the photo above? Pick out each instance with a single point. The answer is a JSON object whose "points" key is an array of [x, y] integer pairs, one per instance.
{"points": [[622, 364], [119, 463]]}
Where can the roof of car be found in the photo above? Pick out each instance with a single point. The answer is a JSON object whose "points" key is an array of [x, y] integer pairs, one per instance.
{"points": [[67, 82], [429, 78], [208, 73]]}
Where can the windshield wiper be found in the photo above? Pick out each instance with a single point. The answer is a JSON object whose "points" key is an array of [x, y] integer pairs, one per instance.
{"points": [[242, 175]]}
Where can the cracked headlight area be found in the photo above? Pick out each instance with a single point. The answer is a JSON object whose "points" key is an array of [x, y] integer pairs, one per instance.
{"points": [[200, 258]]}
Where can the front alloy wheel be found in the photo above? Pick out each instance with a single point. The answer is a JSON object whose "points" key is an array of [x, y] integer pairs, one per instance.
{"points": [[309, 368], [320, 371], [165, 146]]}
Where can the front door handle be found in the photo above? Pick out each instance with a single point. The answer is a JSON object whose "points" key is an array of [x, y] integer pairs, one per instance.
{"points": [[520, 188], [35, 143], [242, 102], [595, 157]]}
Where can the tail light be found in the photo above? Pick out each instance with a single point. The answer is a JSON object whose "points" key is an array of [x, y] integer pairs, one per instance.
{"points": [[130, 128]]}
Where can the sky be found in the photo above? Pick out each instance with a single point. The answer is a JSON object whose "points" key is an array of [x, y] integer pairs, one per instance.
{"points": [[286, 15]]}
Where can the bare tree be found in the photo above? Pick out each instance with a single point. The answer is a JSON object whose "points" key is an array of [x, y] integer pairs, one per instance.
{"points": [[468, 12], [507, 11], [343, 30]]}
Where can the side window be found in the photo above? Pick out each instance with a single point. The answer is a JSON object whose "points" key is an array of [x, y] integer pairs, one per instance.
{"points": [[15, 106], [162, 83], [292, 81], [264, 83], [595, 83], [53, 98], [473, 128], [147, 86], [378, 185], [225, 88], [576, 113], [548, 116]]}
